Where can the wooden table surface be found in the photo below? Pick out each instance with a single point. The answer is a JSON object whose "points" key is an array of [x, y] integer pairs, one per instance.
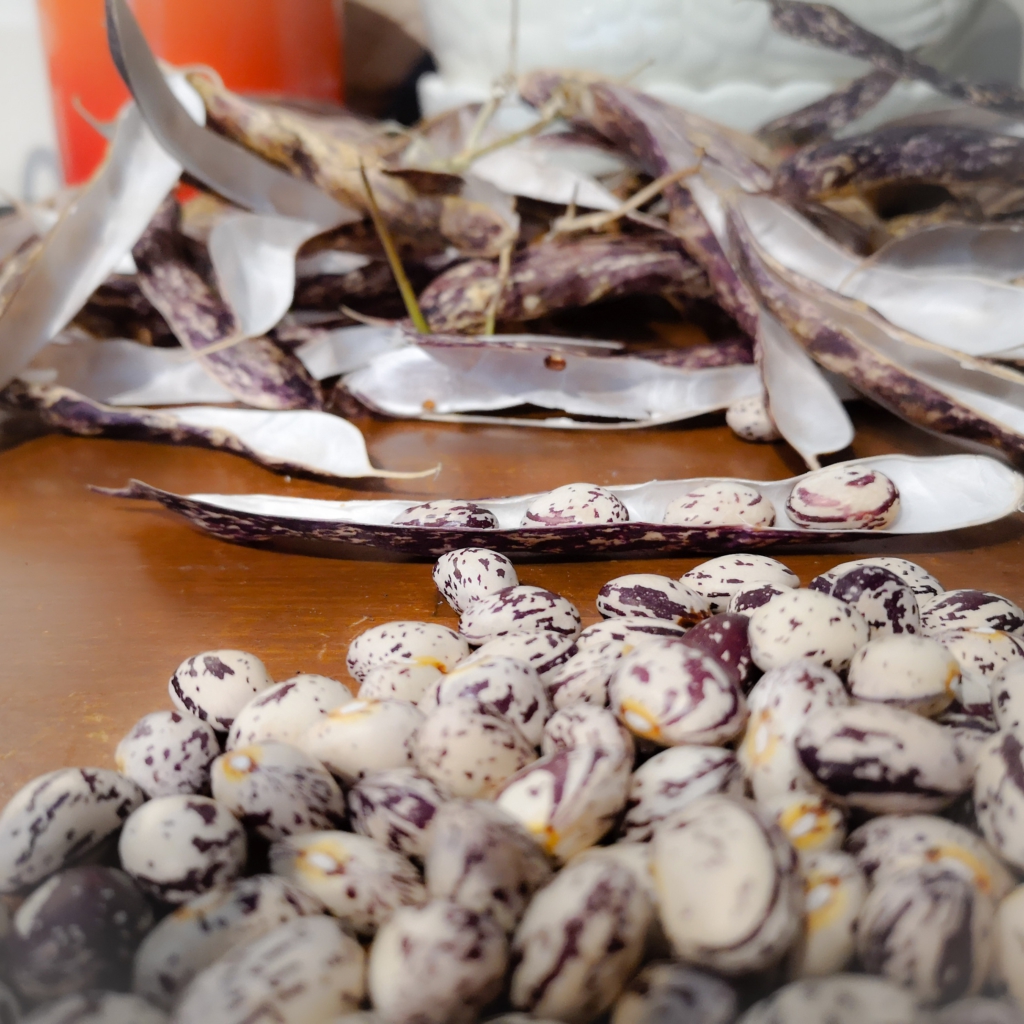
{"points": [[101, 599]]}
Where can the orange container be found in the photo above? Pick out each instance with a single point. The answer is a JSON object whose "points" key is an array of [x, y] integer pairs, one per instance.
{"points": [[270, 47]]}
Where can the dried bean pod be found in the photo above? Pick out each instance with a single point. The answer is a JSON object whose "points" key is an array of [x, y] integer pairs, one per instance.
{"points": [[730, 896], [887, 603], [674, 992], [398, 682], [810, 822], [844, 497], [575, 505], [999, 796], [628, 629], [519, 609], [406, 643], [721, 504], [725, 637], [983, 656], [587, 725], [58, 818], [756, 595], [971, 609], [915, 673], [1009, 944], [653, 596], [397, 808], [448, 515], [467, 574], [96, 1008], [216, 685], [438, 964], [585, 677], [283, 713], [581, 939], [718, 579], [167, 752], [544, 652], [978, 1010], [841, 999]]}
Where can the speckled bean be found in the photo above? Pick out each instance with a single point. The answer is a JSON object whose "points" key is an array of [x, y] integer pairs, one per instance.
{"points": [[811, 823], [971, 609], [628, 629], [718, 579], [575, 505], [999, 796], [915, 673], [840, 999], [397, 808], [216, 685], [284, 712], [406, 643], [448, 514], [168, 752], [398, 682], [471, 573], [983, 655], [585, 677], [721, 504], [922, 582], [544, 652], [96, 1008], [844, 497], [1008, 697], [978, 1010], [886, 601], [587, 725], [756, 595], [666, 992], [725, 637], [520, 609], [1009, 944], [649, 595]]}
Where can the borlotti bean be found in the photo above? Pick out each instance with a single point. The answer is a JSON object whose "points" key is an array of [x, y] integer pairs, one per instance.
{"points": [[999, 796], [59, 817], [1009, 944], [666, 992], [470, 573], [364, 736], [306, 970], [656, 597], [284, 712], [749, 419], [671, 693], [520, 609], [882, 759], [922, 582], [844, 497], [970, 733], [585, 677], [587, 725], [575, 505], [406, 643], [580, 940], [672, 779], [503, 686], [483, 860], [834, 894], [928, 930], [359, 880], [982, 655], [201, 931], [176, 847], [1008, 697], [979, 1010], [912, 672], [629, 629], [841, 999], [397, 808], [755, 595], [886, 601], [469, 751], [809, 625], [216, 685], [96, 1008], [78, 931], [729, 892], [438, 964], [718, 579], [448, 514], [277, 790], [721, 504], [544, 652], [971, 609], [811, 823], [168, 752], [398, 682], [725, 637], [568, 800]]}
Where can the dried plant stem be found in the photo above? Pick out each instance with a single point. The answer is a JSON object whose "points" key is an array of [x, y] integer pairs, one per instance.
{"points": [[504, 271]]}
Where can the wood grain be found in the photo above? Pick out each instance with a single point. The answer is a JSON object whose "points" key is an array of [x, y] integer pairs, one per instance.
{"points": [[101, 599]]}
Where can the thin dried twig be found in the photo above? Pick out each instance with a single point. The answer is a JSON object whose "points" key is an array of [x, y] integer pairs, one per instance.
{"points": [[504, 271]]}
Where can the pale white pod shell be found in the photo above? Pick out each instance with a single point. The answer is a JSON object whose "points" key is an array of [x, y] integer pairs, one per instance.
{"points": [[882, 759], [406, 642], [587, 725], [922, 582], [999, 796], [971, 609], [364, 736], [216, 685], [471, 573], [585, 677], [177, 847], [59, 817], [754, 595], [483, 859], [201, 931], [844, 497], [360, 881], [520, 609], [283, 712], [749, 419], [575, 505], [438, 964], [649, 595], [168, 752], [983, 656], [1008, 697], [567, 801], [94, 1008], [915, 673], [306, 970], [581, 939], [544, 652], [277, 790], [811, 823], [671, 693], [627, 629], [664, 992], [1009, 944], [839, 999], [730, 895], [806, 625], [396, 807], [398, 682], [468, 751], [886, 601], [721, 504], [672, 779], [928, 930], [719, 578]]}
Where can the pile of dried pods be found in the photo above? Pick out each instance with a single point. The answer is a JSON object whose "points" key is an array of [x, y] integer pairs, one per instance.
{"points": [[730, 799], [892, 258]]}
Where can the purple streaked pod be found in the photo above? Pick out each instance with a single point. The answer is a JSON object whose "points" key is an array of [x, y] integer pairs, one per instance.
{"points": [[887, 602], [899, 842], [807, 625], [168, 752], [983, 656], [999, 796], [755, 595], [360, 881], [398, 682], [718, 579], [277, 790], [811, 822], [844, 497], [585, 677], [1008, 697], [656, 597], [741, 911], [448, 514], [587, 725], [406, 643], [921, 582], [721, 504], [627, 629], [725, 637], [575, 505], [1009, 928], [671, 693], [581, 939], [664, 992], [438, 964], [882, 759], [520, 609], [568, 800], [216, 685], [468, 574], [915, 673], [396, 807], [672, 779], [839, 999], [96, 1007], [979, 1010], [504, 686], [544, 652], [928, 930], [971, 609], [283, 713], [484, 860]]}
